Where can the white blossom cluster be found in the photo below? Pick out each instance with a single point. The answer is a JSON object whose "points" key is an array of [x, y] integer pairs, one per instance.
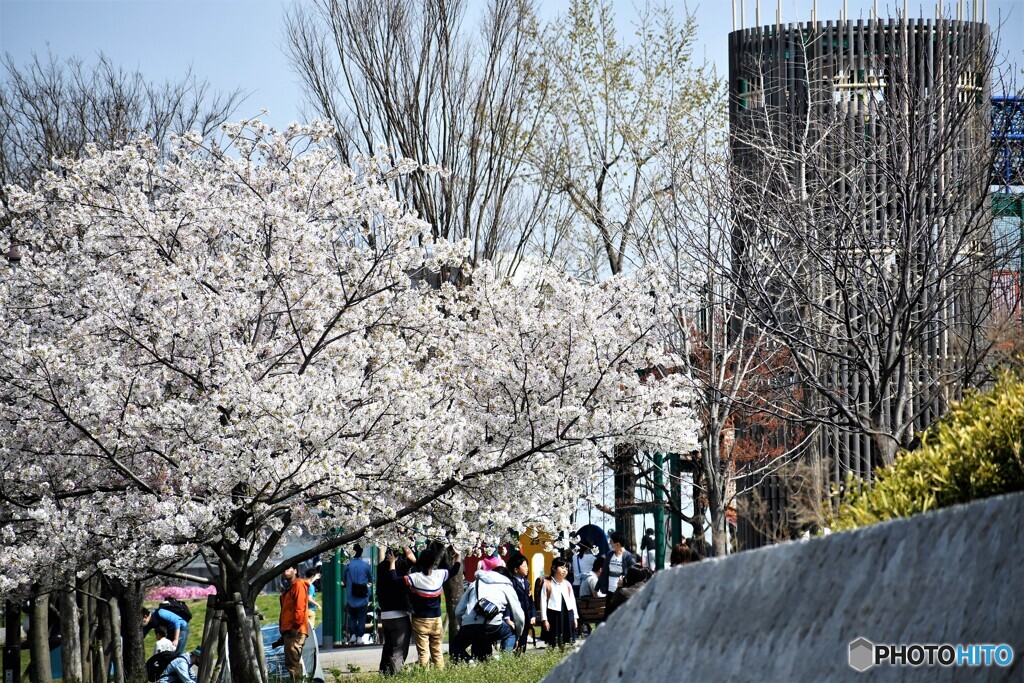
{"points": [[208, 354]]}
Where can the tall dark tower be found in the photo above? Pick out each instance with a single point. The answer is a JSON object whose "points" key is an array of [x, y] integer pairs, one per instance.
{"points": [[862, 168]]}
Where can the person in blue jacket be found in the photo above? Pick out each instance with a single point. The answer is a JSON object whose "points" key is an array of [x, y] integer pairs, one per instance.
{"points": [[175, 626], [519, 567], [357, 580]]}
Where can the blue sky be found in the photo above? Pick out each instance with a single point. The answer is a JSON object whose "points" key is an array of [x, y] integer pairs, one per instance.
{"points": [[238, 43]]}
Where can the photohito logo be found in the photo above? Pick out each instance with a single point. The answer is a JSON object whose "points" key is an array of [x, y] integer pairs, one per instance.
{"points": [[864, 654]]}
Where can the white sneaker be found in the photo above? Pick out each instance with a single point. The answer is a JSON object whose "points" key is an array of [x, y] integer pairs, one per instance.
{"points": [[366, 639], [352, 639]]}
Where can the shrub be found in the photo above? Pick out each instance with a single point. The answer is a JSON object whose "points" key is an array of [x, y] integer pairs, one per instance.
{"points": [[180, 592], [973, 452]]}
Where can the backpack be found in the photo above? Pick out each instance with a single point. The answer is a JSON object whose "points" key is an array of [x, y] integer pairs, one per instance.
{"points": [[156, 664], [177, 607]]}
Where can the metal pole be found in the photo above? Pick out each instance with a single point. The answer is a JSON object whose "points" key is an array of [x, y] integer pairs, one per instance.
{"points": [[659, 510], [676, 496]]}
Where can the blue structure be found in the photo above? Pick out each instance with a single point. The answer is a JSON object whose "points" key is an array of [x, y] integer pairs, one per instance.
{"points": [[1008, 138]]}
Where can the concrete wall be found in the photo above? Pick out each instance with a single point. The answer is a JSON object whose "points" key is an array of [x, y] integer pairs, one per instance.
{"points": [[790, 612]]}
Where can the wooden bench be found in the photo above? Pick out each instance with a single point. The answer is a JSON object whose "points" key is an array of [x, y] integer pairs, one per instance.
{"points": [[591, 610]]}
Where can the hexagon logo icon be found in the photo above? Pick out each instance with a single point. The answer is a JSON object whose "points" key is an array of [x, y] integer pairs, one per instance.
{"points": [[862, 654]]}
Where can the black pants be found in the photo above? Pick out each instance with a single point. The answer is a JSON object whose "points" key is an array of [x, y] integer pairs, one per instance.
{"points": [[397, 635]]}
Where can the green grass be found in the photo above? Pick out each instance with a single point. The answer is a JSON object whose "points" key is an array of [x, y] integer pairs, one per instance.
{"points": [[268, 605], [528, 668]]}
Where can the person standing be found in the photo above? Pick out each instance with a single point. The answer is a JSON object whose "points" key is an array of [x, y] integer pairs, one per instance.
{"points": [[616, 563], [312, 576], [648, 550], [558, 611], [393, 599], [519, 567], [294, 621], [425, 587], [357, 580]]}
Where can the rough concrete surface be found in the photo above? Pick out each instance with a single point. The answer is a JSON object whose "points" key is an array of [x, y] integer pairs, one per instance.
{"points": [[790, 612]]}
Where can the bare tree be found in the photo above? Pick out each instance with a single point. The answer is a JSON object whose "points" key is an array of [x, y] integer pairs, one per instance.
{"points": [[52, 109], [744, 382], [415, 78], [864, 173], [610, 112]]}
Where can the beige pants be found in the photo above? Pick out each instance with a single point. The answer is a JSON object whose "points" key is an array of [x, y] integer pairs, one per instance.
{"points": [[293, 655], [428, 635]]}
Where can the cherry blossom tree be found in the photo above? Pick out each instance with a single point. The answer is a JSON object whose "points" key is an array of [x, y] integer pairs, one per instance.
{"points": [[251, 341]]}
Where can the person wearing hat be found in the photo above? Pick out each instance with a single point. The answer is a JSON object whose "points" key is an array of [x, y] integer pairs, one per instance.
{"points": [[179, 669]]}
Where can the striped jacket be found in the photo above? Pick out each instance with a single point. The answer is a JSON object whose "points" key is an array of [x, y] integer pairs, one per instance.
{"points": [[424, 591]]}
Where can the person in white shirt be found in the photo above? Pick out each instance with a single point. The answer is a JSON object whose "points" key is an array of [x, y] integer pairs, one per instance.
{"points": [[582, 563], [558, 612], [588, 587], [163, 643]]}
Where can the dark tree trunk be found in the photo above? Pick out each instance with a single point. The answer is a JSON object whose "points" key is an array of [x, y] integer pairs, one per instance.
{"points": [[130, 600], [71, 642], [239, 608], [12, 642], [625, 494], [38, 641]]}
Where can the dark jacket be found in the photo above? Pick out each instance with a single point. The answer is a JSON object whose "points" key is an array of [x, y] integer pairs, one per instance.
{"points": [[627, 561], [522, 586], [620, 596], [392, 596]]}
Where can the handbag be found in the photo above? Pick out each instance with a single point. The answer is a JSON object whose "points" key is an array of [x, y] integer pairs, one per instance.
{"points": [[484, 607]]}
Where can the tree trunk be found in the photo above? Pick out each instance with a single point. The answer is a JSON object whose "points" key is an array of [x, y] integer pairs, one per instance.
{"points": [[453, 589], [117, 649], [39, 642], [71, 641], [86, 633], [12, 642], [238, 616], [130, 601], [625, 494], [104, 644], [887, 448]]}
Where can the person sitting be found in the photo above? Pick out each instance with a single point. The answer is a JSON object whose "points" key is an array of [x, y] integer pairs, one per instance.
{"points": [[634, 580], [179, 669], [682, 554], [591, 580], [163, 643], [481, 627]]}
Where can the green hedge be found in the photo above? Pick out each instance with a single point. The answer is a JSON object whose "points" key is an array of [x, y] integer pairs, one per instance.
{"points": [[973, 452]]}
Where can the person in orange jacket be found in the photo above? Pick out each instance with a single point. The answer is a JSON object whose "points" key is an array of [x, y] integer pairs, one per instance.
{"points": [[294, 621]]}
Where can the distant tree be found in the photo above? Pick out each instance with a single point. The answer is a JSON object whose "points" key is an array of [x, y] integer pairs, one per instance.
{"points": [[52, 109], [418, 78], [608, 112]]}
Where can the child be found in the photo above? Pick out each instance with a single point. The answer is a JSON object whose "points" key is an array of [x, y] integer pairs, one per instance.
{"points": [[519, 567], [558, 610], [163, 643], [424, 585]]}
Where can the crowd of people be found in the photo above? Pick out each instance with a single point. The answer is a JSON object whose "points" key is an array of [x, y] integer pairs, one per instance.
{"points": [[499, 606]]}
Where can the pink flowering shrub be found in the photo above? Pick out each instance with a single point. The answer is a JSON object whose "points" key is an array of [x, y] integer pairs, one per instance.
{"points": [[180, 592]]}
